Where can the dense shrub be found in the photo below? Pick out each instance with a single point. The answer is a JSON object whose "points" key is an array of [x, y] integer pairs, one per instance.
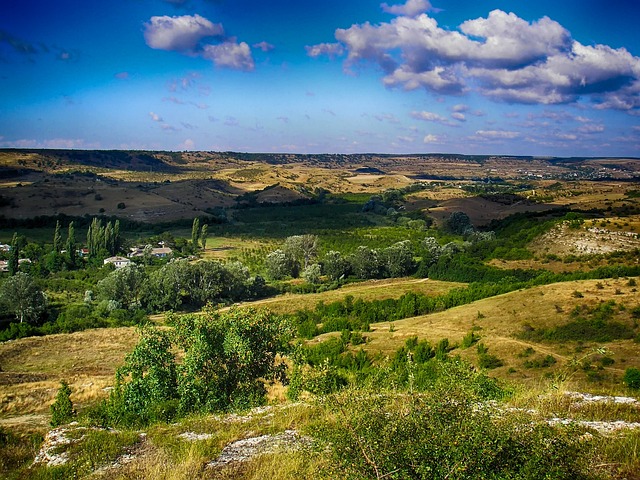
{"points": [[632, 378], [441, 435], [225, 358]]}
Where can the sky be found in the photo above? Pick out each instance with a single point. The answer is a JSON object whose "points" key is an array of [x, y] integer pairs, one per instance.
{"points": [[504, 77]]}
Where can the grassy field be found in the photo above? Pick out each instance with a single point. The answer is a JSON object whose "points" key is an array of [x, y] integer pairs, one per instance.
{"points": [[33, 367], [499, 320]]}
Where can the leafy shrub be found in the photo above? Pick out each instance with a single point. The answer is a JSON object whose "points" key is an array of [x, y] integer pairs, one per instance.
{"points": [[443, 435], [540, 362], [62, 407], [632, 378], [225, 358]]}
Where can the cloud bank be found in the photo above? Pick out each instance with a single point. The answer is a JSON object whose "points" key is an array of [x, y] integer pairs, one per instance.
{"points": [[502, 56]]}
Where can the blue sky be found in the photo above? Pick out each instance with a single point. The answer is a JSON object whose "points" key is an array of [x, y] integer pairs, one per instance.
{"points": [[454, 76]]}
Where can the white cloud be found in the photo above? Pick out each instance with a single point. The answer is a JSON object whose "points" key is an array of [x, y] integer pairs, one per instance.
{"points": [[412, 8], [264, 46], [185, 34], [430, 138], [330, 49], [155, 117], [427, 116], [497, 134], [230, 54], [591, 128], [502, 56], [459, 116], [179, 33]]}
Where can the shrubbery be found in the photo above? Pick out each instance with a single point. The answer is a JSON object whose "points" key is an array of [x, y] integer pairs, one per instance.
{"points": [[443, 434], [225, 357]]}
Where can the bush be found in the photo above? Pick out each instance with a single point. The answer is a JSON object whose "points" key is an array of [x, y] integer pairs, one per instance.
{"points": [[632, 378], [225, 359], [443, 435], [62, 408]]}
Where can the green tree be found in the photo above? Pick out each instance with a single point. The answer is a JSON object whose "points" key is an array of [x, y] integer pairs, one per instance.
{"points": [[123, 285], [312, 273], [195, 232], [22, 296], [458, 223], [14, 255], [147, 380], [335, 266], [302, 248], [71, 246], [398, 259], [227, 355], [57, 238], [204, 234], [170, 286], [431, 251], [280, 264], [62, 407], [365, 262], [225, 359], [632, 378]]}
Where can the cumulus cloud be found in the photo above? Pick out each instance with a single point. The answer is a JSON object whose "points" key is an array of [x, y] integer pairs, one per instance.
{"points": [[179, 33], [459, 116], [186, 34], [502, 56], [430, 138], [231, 55], [412, 8]]}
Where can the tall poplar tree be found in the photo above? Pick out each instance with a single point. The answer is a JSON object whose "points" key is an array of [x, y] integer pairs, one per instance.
{"points": [[71, 246]]}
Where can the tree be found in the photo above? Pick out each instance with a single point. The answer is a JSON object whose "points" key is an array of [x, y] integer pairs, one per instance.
{"points": [[432, 251], [71, 246], [227, 356], [204, 233], [22, 296], [14, 255], [195, 232], [365, 262], [225, 359], [312, 273], [62, 407], [168, 287], [632, 378], [302, 248], [398, 259], [459, 223], [57, 238], [279, 264], [335, 266], [123, 285]]}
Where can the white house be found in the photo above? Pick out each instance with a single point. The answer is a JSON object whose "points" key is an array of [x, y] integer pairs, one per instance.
{"points": [[119, 262]]}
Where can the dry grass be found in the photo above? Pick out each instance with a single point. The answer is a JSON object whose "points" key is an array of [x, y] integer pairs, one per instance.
{"points": [[32, 368], [369, 290], [497, 320]]}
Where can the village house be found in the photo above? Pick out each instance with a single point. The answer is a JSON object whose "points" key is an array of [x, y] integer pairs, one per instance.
{"points": [[119, 262]]}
